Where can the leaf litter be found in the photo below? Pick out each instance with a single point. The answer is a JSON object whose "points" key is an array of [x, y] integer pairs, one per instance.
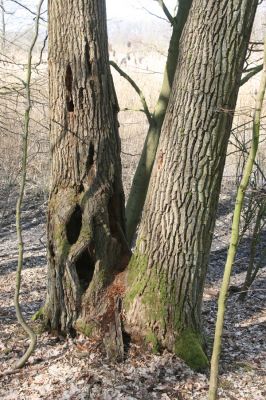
{"points": [[76, 368]]}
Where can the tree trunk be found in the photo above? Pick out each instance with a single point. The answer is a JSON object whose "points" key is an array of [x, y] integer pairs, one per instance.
{"points": [[167, 272], [86, 224], [234, 240], [142, 175], [253, 269]]}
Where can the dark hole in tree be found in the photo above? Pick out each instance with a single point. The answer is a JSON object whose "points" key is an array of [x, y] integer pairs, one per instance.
{"points": [[69, 78], [70, 105], [73, 225], [90, 155], [51, 249], [81, 98], [85, 269], [87, 57], [68, 82], [81, 188], [72, 332], [126, 341]]}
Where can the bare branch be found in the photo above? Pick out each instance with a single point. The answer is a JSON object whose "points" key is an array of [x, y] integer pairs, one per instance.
{"points": [[28, 9], [253, 71], [42, 50], [167, 13], [137, 89], [154, 15]]}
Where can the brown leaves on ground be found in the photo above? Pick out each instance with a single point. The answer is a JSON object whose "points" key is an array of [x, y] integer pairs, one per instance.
{"points": [[77, 368]]}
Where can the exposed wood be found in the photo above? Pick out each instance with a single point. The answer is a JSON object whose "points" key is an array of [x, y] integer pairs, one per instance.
{"points": [[113, 339]]}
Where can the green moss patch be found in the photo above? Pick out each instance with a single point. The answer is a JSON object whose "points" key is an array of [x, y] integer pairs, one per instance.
{"points": [[152, 340], [86, 328], [188, 346], [38, 315], [150, 285]]}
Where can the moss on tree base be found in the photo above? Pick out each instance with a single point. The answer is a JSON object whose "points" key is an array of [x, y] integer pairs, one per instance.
{"points": [[87, 329], [188, 346], [150, 303], [152, 341], [38, 315]]}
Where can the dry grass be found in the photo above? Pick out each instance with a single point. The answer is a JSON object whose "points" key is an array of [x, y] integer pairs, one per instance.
{"points": [[144, 63]]}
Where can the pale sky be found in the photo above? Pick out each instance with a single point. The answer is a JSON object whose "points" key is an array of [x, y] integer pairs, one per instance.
{"points": [[130, 8], [116, 10]]}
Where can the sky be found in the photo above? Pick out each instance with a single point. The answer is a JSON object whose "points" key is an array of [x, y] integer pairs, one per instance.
{"points": [[116, 10]]}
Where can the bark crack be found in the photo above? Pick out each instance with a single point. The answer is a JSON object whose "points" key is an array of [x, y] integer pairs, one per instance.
{"points": [[68, 82]]}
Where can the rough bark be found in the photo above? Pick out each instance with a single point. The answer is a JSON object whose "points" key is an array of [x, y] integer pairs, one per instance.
{"points": [[217, 345], [167, 272], [142, 175], [86, 224]]}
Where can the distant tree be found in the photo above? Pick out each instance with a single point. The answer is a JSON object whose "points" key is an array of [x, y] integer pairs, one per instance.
{"points": [[142, 175], [86, 222], [3, 23], [167, 271]]}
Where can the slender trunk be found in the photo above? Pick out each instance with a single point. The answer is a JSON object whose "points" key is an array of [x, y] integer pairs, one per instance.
{"points": [[252, 270], [142, 175], [235, 236], [21, 320], [3, 26], [86, 225], [167, 272]]}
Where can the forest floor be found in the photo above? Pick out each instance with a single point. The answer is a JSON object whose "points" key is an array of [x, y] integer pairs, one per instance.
{"points": [[76, 369]]}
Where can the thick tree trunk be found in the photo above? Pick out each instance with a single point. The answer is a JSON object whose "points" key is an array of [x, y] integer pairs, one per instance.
{"points": [[167, 273], [86, 225]]}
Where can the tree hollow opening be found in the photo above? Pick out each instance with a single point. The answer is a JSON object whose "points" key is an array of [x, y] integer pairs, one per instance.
{"points": [[85, 269], [90, 158], [73, 225], [87, 57], [68, 82]]}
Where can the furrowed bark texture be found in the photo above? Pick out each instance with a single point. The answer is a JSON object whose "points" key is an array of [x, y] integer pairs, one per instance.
{"points": [[86, 207], [142, 175], [222, 300], [167, 272]]}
